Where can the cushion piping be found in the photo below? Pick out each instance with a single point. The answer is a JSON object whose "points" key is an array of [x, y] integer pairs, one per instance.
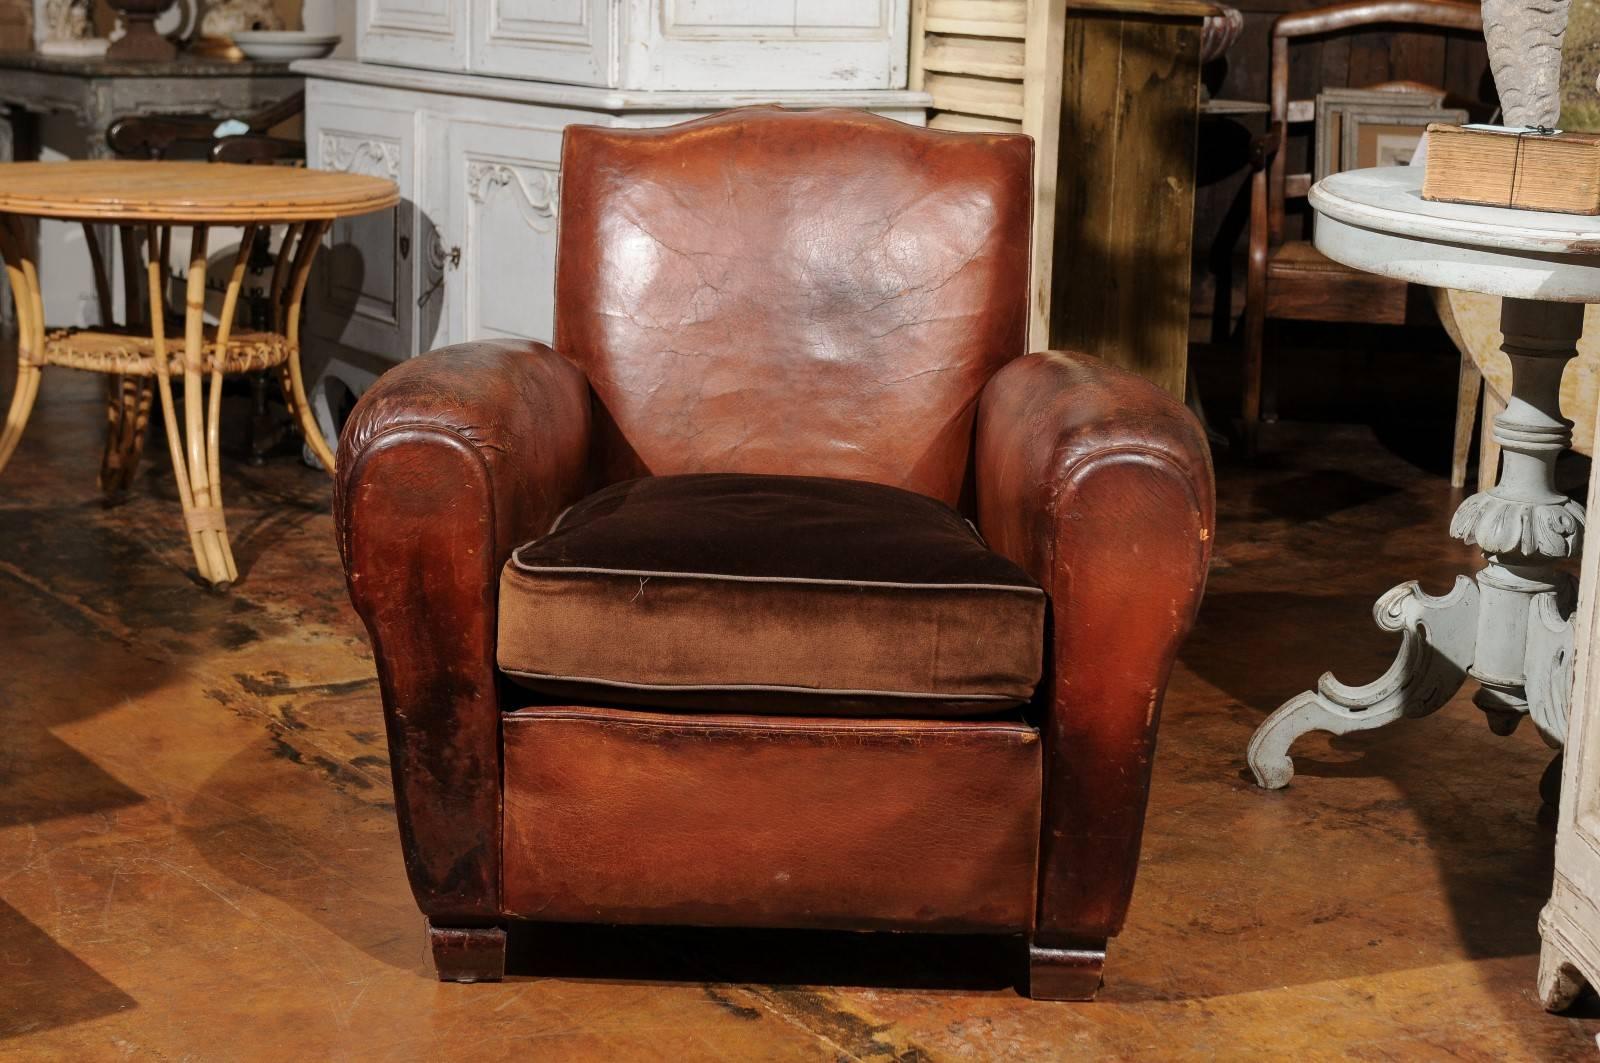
{"points": [[786, 725], [593, 570], [764, 688]]}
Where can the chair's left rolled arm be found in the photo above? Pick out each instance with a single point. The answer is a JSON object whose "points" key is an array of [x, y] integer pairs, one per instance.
{"points": [[447, 463], [1099, 484]]}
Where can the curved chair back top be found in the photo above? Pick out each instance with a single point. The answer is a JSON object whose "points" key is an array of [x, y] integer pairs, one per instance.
{"points": [[801, 292]]}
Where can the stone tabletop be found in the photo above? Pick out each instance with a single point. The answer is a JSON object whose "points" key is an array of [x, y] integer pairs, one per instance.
{"points": [[100, 67]]}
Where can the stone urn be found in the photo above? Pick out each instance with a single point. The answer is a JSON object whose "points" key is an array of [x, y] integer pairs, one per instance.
{"points": [[141, 41]]}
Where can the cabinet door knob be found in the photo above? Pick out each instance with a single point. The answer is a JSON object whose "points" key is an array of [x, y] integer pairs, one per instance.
{"points": [[438, 260]]}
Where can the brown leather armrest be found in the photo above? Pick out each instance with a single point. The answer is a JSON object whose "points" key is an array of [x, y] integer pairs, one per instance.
{"points": [[1099, 484], [447, 463]]}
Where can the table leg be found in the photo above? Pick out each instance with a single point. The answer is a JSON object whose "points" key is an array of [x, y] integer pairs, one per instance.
{"points": [[169, 413], [291, 378], [128, 416], [1508, 627], [23, 274], [196, 449]]}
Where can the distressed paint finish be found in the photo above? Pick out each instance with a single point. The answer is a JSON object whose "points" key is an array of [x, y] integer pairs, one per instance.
{"points": [[199, 852], [1507, 626]]}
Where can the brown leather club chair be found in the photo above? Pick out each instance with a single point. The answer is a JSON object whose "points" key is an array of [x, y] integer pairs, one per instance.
{"points": [[679, 621]]}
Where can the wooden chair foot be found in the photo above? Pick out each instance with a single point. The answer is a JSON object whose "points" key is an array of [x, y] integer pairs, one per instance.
{"points": [[1071, 971], [468, 954]]}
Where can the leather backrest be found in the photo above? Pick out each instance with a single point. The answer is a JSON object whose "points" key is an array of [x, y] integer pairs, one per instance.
{"points": [[792, 292]]}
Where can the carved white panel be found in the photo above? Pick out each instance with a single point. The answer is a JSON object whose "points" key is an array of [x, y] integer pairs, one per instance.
{"points": [[550, 40], [504, 192], [765, 45], [430, 33], [694, 45], [363, 295], [776, 20]]}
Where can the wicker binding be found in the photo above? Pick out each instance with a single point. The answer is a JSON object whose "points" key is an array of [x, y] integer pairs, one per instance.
{"points": [[111, 350]]}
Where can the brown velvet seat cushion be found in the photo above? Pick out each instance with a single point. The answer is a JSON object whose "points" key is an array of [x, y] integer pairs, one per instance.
{"points": [[773, 594]]}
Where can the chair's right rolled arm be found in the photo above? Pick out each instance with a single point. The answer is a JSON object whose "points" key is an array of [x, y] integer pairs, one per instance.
{"points": [[1099, 484]]}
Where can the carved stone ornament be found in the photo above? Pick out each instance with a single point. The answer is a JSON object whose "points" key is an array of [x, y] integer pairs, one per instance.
{"points": [[1524, 39], [66, 27]]}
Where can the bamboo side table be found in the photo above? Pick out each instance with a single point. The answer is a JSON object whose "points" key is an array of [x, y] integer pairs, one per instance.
{"points": [[155, 197]]}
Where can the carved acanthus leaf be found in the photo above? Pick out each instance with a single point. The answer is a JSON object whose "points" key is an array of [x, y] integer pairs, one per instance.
{"points": [[1498, 525]]}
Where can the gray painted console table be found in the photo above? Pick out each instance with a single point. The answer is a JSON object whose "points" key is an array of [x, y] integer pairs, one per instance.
{"points": [[97, 91], [1507, 626]]}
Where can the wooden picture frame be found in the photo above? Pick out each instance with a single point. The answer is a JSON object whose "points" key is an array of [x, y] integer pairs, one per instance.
{"points": [[1388, 138], [1334, 130]]}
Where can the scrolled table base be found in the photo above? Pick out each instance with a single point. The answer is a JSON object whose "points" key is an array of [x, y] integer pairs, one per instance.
{"points": [[1509, 626]]}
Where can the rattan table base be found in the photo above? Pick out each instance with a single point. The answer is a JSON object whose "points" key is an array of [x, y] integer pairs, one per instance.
{"points": [[145, 354]]}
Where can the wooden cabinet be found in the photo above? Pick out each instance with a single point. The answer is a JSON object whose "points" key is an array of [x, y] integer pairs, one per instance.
{"points": [[1109, 90]]}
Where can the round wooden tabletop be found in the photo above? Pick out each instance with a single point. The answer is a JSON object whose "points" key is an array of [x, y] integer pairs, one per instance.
{"points": [[187, 192]]}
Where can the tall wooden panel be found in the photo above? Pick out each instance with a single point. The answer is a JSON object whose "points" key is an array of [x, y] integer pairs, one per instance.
{"points": [[1108, 90], [1124, 185]]}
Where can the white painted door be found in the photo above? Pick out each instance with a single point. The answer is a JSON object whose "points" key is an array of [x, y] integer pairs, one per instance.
{"points": [[428, 33], [365, 282], [547, 40], [1570, 923], [503, 187]]}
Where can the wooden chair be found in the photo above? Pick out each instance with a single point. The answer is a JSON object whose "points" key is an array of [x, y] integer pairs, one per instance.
{"points": [[194, 136], [1291, 279]]}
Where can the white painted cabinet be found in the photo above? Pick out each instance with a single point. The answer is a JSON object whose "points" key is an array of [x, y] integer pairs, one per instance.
{"points": [[670, 45]]}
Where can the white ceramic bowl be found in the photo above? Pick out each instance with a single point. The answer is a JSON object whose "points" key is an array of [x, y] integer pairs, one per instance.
{"points": [[283, 45]]}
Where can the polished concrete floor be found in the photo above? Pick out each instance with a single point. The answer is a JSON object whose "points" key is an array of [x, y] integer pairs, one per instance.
{"points": [[198, 856]]}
